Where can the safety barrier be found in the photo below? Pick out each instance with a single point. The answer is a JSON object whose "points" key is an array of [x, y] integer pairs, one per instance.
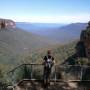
{"points": [[59, 73]]}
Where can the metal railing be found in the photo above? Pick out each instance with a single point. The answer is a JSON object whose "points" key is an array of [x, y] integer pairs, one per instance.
{"points": [[59, 72]]}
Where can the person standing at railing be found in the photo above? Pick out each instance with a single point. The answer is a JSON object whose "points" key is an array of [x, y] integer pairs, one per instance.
{"points": [[48, 62]]}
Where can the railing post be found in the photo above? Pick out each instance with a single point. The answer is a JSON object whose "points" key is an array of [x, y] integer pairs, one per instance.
{"points": [[81, 73], [55, 75], [31, 71], [13, 82]]}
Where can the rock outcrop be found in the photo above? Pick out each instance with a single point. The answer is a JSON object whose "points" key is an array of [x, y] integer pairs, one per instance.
{"points": [[6, 24], [85, 38]]}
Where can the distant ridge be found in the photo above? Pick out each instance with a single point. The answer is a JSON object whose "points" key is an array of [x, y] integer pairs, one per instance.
{"points": [[61, 33]]}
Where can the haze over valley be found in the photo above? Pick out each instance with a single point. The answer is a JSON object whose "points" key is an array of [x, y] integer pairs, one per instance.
{"points": [[61, 33]]}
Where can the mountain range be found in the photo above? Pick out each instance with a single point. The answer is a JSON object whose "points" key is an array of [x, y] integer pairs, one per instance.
{"points": [[61, 33]]}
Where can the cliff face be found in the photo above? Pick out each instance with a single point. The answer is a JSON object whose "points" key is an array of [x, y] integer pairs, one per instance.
{"points": [[85, 38], [6, 23]]}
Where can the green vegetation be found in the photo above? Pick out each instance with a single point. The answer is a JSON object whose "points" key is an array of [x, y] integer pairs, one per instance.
{"points": [[23, 72], [16, 43], [17, 47], [60, 53]]}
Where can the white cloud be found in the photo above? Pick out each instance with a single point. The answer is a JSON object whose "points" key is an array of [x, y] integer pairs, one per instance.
{"points": [[59, 19], [54, 19]]}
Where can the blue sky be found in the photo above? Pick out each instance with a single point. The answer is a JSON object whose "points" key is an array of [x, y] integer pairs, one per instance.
{"points": [[46, 11]]}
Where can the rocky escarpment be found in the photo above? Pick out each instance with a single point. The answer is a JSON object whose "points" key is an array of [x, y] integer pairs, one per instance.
{"points": [[6, 23], [85, 38]]}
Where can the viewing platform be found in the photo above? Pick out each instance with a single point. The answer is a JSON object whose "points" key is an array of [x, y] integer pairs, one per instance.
{"points": [[62, 75]]}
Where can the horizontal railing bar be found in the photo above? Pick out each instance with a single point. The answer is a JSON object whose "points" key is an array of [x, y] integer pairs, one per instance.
{"points": [[54, 66], [52, 80], [73, 65], [23, 65]]}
